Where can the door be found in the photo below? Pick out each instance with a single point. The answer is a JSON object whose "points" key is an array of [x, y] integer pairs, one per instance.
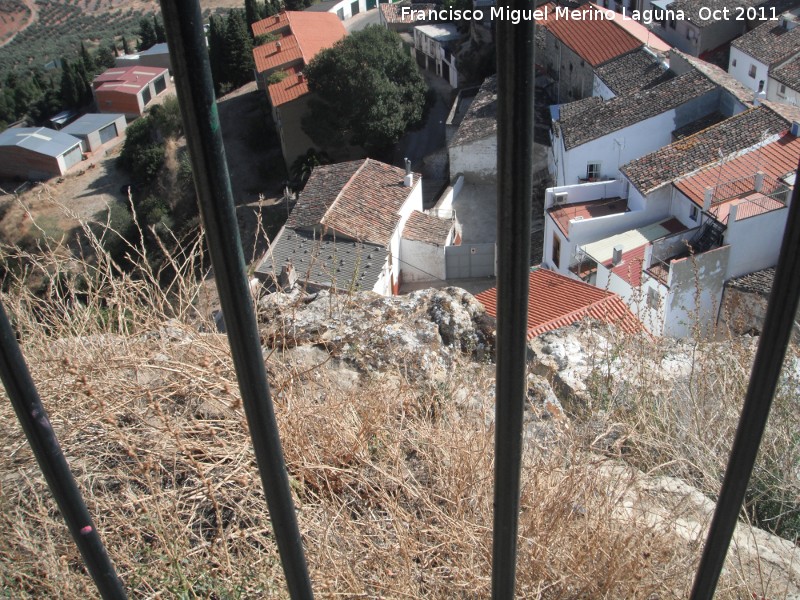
{"points": [[108, 133], [469, 260]]}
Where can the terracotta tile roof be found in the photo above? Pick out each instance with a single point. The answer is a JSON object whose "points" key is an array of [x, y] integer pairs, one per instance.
{"points": [[368, 206], [718, 76], [562, 215], [624, 111], [393, 13], [303, 36], [272, 55], [758, 282], [640, 32], [595, 41], [480, 120], [359, 199], [703, 148], [290, 88], [127, 79], [636, 70], [769, 43], [749, 205], [321, 190], [630, 267], [422, 227], [556, 301], [789, 74], [776, 160]]}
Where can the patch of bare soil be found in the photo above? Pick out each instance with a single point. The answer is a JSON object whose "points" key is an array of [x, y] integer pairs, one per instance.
{"points": [[15, 16]]}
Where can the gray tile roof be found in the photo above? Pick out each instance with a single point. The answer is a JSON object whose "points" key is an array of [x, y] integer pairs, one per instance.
{"points": [[623, 111], [481, 118], [789, 74], [718, 76], [90, 123], [325, 262], [322, 189], [39, 139], [572, 109], [422, 227], [769, 43], [701, 149], [691, 9], [637, 70], [759, 282], [698, 125]]}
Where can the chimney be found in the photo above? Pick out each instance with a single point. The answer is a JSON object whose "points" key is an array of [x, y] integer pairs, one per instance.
{"points": [[760, 95], [277, 46], [795, 130], [707, 198], [300, 77], [616, 255], [277, 18], [759, 181], [408, 180]]}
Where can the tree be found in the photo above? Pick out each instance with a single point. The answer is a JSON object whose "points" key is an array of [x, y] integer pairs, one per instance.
{"points": [[253, 12], [367, 91], [126, 49], [238, 53], [71, 89], [104, 57], [147, 34], [86, 59], [158, 28], [216, 51]]}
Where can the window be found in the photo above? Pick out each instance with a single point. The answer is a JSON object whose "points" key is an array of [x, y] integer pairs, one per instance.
{"points": [[694, 213], [752, 71], [733, 62], [592, 171], [652, 298], [556, 251], [781, 90]]}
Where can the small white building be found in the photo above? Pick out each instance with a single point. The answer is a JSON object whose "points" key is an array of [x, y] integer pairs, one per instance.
{"points": [[155, 56], [96, 129], [37, 153], [755, 55], [433, 49], [346, 231], [679, 222], [592, 139], [784, 83]]}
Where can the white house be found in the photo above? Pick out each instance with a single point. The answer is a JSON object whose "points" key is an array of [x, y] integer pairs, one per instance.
{"points": [[755, 55], [679, 222], [696, 26], [433, 50], [592, 141], [637, 70], [784, 83], [345, 231]]}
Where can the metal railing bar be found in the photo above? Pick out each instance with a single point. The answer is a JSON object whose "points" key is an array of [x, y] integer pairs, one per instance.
{"points": [[515, 125], [774, 340], [189, 56], [36, 425]]}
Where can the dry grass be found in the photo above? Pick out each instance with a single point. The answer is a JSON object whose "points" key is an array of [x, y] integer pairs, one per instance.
{"points": [[393, 481]]}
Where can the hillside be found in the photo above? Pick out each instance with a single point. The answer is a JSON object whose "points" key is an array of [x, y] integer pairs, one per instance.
{"points": [[385, 407]]}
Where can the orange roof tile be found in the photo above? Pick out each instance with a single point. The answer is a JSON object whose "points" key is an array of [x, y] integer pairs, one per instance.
{"points": [[556, 301], [271, 55], [595, 40], [127, 80], [291, 88], [314, 31], [775, 160]]}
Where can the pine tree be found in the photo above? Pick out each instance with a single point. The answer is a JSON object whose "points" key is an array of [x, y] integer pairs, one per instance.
{"points": [[70, 93], [216, 51], [147, 34], [238, 50], [126, 49], [252, 12], [158, 28], [86, 59], [82, 84]]}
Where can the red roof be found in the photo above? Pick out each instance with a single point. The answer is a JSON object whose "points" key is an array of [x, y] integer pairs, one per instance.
{"points": [[556, 301], [304, 35], [129, 80], [775, 160], [593, 38]]}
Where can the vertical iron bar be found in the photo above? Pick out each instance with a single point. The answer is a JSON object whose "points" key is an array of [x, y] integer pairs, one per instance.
{"points": [[778, 325], [515, 97], [36, 425], [189, 56]]}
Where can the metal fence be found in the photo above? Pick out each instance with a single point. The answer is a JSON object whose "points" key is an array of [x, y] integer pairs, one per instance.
{"points": [[184, 26]]}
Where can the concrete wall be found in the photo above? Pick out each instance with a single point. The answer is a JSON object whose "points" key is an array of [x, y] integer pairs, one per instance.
{"points": [[575, 77], [429, 258], [344, 8], [741, 69], [789, 95], [294, 141], [755, 242], [599, 88], [92, 141], [21, 163], [682, 208], [445, 202], [476, 160], [586, 192], [695, 292]]}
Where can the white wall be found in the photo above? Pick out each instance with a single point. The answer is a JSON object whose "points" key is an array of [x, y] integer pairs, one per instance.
{"points": [[346, 7], [476, 160], [742, 69], [599, 88], [428, 257], [695, 292], [755, 242], [790, 96], [682, 208], [587, 192], [445, 202]]}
